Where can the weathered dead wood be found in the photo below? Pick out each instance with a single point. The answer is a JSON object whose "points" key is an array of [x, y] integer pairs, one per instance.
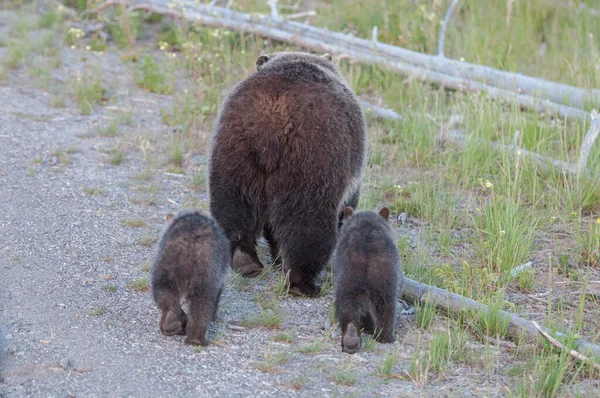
{"points": [[518, 328], [437, 70], [588, 142], [578, 169], [379, 112], [442, 37], [561, 346]]}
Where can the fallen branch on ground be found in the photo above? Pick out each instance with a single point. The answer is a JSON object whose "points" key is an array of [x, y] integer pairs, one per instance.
{"points": [[455, 303], [379, 112], [561, 346], [578, 169], [433, 69]]}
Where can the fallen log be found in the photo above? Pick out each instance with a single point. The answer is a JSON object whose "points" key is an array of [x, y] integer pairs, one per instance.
{"points": [[433, 69], [452, 303]]}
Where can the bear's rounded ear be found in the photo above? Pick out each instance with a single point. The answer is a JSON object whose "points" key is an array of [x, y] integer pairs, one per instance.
{"points": [[328, 56], [169, 217], [385, 213], [261, 60], [348, 211]]}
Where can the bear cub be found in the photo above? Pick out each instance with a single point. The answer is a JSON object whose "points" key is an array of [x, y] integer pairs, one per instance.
{"points": [[368, 278], [287, 154], [192, 260]]}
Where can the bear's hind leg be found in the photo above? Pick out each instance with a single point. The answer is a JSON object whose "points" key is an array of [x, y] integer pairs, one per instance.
{"points": [[351, 339], [273, 245], [238, 220], [245, 259], [306, 250], [386, 321], [173, 320], [202, 310]]}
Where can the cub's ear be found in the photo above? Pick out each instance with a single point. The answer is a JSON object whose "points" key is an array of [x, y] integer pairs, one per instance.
{"points": [[328, 56], [348, 211], [261, 60], [169, 217], [385, 213]]}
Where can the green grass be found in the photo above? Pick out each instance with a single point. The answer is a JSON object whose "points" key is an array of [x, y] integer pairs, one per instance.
{"points": [[369, 343], [425, 314], [117, 157], [110, 288], [445, 348], [384, 369], [265, 318], [49, 19], [327, 284], [491, 323], [16, 54], [238, 281], [284, 337], [265, 301], [134, 222], [152, 78], [271, 361], [98, 311], [93, 190], [88, 94], [63, 154], [139, 285], [177, 149], [344, 377], [147, 240], [313, 348], [128, 28], [198, 181], [146, 266], [588, 244], [110, 130], [145, 175], [281, 287], [58, 101]]}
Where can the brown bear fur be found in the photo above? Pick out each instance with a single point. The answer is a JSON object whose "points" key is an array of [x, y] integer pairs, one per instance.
{"points": [[287, 153], [192, 260], [368, 278]]}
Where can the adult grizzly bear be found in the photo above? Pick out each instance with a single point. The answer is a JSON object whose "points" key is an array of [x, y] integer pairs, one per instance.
{"points": [[368, 278], [287, 154]]}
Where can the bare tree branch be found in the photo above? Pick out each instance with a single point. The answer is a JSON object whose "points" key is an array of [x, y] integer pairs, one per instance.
{"points": [[588, 141], [560, 345], [442, 37], [449, 302], [273, 6], [302, 14], [379, 112]]}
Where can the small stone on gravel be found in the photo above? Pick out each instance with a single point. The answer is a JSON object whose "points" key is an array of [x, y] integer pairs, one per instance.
{"points": [[64, 363]]}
